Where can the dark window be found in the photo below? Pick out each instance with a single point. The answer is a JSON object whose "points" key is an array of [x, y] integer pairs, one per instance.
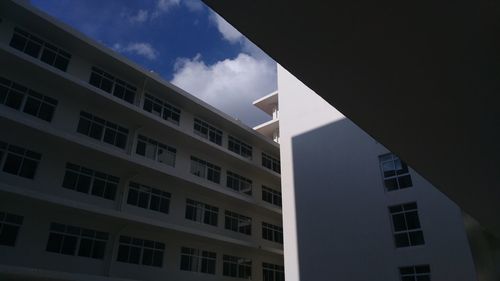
{"points": [[148, 198], [273, 272], [38, 48], [156, 151], [406, 225], [271, 163], [198, 260], [271, 196], [88, 181], [204, 169], [239, 147], [237, 267], [272, 232], [19, 161], [108, 83], [9, 228], [239, 183], [395, 172], [102, 130], [201, 212], [207, 131], [415, 273], [140, 251], [238, 223], [72, 240], [26, 100], [162, 109]]}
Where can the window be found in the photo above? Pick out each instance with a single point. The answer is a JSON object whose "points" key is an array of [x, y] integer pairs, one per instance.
{"points": [[148, 197], [140, 251], [9, 228], [406, 225], [102, 130], [72, 240], [239, 183], [270, 162], [272, 232], [39, 49], [237, 267], [415, 273], [207, 131], [19, 161], [395, 172], [156, 151], [88, 181], [271, 196], [273, 272], [26, 100], [201, 212], [240, 147], [162, 109], [204, 169], [108, 83], [238, 223], [191, 260]]}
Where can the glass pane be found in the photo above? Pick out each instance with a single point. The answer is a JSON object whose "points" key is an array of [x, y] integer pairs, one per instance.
{"points": [[28, 168], [12, 164]]}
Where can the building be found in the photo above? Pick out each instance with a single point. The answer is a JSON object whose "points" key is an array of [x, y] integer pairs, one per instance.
{"points": [[108, 172], [269, 104], [375, 218]]}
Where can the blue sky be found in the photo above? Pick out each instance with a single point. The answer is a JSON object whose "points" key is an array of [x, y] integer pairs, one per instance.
{"points": [[182, 40]]}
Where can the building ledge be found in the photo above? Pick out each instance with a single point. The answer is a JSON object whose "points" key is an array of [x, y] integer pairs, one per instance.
{"points": [[267, 103]]}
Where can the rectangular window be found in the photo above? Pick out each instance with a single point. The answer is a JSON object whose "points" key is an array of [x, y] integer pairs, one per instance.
{"points": [[273, 272], [238, 223], [19, 161], [9, 228], [206, 170], [40, 49], [140, 251], [89, 181], [270, 162], [72, 240], [201, 212], [271, 196], [237, 267], [395, 172], [108, 83], [147, 197], [272, 232], [21, 98], [415, 273], [155, 150], [239, 147], [207, 131], [406, 225], [198, 260], [162, 109], [239, 183], [102, 130]]}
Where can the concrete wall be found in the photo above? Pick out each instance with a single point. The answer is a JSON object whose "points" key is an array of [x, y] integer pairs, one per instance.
{"points": [[335, 211]]}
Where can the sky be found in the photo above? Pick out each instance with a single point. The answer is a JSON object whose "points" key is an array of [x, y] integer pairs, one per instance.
{"points": [[183, 41]]}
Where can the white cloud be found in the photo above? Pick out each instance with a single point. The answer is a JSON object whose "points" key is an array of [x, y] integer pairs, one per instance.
{"points": [[162, 6], [230, 85], [193, 5], [227, 31], [141, 16], [138, 48]]}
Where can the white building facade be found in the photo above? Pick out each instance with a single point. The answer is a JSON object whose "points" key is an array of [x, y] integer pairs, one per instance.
{"points": [[107, 172], [354, 211]]}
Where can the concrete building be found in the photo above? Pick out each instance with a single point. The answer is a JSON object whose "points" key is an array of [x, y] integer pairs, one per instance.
{"points": [[108, 172], [354, 211]]}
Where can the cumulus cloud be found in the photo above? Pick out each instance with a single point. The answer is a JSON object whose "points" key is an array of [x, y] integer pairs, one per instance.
{"points": [[230, 85], [193, 5], [227, 31], [138, 48]]}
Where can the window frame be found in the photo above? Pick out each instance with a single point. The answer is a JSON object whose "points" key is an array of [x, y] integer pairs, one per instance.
{"points": [[237, 222], [233, 178], [168, 150], [275, 231], [81, 171], [21, 157], [414, 271], [150, 192], [212, 134], [274, 163], [107, 127], [273, 194], [12, 221], [201, 212], [239, 147], [167, 111], [241, 267], [207, 170], [198, 259], [392, 160], [154, 249], [119, 88], [405, 209]]}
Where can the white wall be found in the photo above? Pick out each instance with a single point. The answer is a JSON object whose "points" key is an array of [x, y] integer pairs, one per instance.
{"points": [[335, 215]]}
